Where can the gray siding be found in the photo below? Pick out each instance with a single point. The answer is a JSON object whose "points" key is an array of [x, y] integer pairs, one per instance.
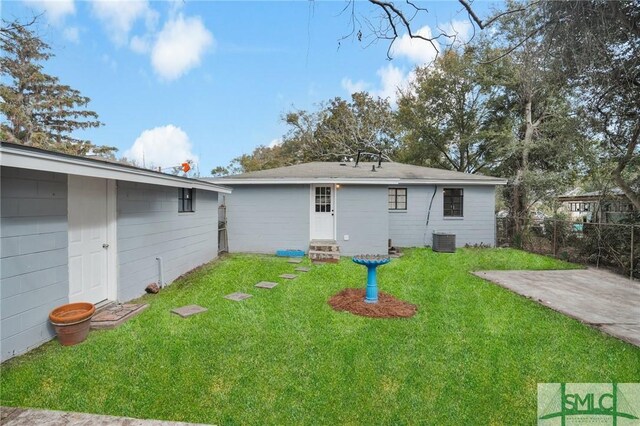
{"points": [[150, 226], [408, 228], [266, 218], [33, 256], [362, 213]]}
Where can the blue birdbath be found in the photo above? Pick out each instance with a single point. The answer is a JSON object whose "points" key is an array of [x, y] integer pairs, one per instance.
{"points": [[371, 262]]}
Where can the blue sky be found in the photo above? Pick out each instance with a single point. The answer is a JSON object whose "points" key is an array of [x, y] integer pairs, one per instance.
{"points": [[209, 81]]}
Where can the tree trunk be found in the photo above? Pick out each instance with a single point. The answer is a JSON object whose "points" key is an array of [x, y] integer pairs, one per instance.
{"points": [[622, 164], [624, 186], [519, 198]]}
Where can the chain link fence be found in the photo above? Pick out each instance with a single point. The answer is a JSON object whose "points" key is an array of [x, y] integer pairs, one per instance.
{"points": [[612, 246]]}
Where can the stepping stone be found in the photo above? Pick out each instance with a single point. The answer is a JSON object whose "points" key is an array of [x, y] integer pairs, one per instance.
{"points": [[294, 260], [266, 284], [187, 311], [113, 315], [288, 276], [303, 269], [237, 297]]}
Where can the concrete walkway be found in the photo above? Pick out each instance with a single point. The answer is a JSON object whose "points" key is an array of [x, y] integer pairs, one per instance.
{"points": [[598, 298], [12, 416]]}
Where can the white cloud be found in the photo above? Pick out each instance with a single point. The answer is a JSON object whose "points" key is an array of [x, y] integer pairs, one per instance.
{"points": [[140, 44], [180, 46], [175, 6], [56, 10], [462, 29], [417, 50], [275, 142], [72, 34], [391, 78], [354, 86], [119, 16], [164, 146]]}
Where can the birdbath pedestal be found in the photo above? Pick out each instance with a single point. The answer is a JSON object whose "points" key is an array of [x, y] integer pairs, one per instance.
{"points": [[371, 262]]}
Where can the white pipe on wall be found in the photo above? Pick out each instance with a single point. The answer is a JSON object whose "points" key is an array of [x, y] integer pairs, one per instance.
{"points": [[160, 272]]}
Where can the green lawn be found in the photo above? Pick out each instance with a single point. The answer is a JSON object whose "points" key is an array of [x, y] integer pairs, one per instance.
{"points": [[474, 352]]}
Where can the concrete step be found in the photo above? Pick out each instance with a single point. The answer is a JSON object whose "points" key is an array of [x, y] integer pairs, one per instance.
{"points": [[324, 245], [324, 256], [328, 249]]}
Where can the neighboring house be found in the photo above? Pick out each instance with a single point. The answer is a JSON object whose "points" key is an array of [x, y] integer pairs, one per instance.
{"points": [[360, 207], [82, 229], [597, 206]]}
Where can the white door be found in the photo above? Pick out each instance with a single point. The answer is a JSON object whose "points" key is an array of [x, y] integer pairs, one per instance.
{"points": [[87, 239], [322, 212]]}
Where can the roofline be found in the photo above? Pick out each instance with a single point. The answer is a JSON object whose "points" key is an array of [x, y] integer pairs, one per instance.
{"points": [[23, 157], [360, 181]]}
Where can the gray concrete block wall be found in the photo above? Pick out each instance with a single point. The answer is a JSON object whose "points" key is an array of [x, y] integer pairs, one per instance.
{"points": [[362, 213], [408, 228], [33, 256], [150, 226], [266, 218]]}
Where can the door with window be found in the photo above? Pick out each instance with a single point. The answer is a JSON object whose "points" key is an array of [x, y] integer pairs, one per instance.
{"points": [[323, 212], [87, 239]]}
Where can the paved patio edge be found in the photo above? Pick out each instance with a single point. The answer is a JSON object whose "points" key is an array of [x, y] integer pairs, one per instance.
{"points": [[18, 416], [600, 299]]}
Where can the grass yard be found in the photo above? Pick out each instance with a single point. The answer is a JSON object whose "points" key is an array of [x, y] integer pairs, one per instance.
{"points": [[473, 353]]}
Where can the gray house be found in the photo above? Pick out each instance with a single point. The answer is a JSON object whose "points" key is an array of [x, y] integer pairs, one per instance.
{"points": [[81, 229], [359, 208]]}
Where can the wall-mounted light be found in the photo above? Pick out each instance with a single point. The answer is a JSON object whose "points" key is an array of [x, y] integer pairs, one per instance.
{"points": [[338, 186]]}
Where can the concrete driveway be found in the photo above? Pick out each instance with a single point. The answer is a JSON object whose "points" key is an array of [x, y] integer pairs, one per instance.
{"points": [[598, 298]]}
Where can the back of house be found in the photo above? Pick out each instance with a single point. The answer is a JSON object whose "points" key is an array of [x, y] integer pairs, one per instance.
{"points": [[360, 208]]}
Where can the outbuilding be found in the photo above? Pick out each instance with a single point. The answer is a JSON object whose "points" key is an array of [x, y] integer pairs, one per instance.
{"points": [[88, 229], [359, 208]]}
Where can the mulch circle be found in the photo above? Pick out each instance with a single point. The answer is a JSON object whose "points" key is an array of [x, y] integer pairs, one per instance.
{"points": [[352, 300]]}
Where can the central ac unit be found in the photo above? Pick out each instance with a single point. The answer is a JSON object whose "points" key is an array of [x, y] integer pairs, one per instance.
{"points": [[443, 242]]}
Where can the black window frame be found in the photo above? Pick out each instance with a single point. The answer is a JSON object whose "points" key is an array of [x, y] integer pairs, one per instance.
{"points": [[186, 200], [449, 201], [392, 200]]}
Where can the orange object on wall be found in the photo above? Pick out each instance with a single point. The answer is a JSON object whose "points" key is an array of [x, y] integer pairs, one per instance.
{"points": [[186, 167]]}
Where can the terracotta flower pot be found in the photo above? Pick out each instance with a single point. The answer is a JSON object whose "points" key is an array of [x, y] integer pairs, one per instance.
{"points": [[72, 322]]}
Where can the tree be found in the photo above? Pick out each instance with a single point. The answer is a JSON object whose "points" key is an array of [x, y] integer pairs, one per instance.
{"points": [[547, 143], [337, 131], [597, 46], [397, 19], [342, 129], [219, 171], [38, 109], [445, 115]]}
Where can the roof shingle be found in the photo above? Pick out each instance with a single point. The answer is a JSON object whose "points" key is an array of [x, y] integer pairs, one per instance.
{"points": [[364, 170]]}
